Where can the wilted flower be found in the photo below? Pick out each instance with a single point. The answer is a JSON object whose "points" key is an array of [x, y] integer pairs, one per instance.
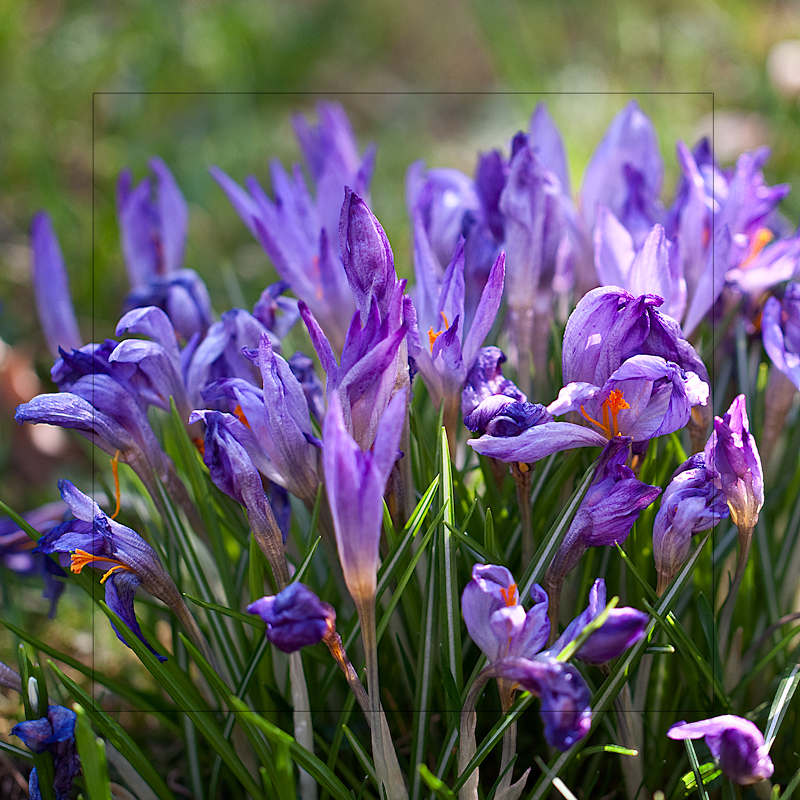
{"points": [[295, 617], [736, 743]]}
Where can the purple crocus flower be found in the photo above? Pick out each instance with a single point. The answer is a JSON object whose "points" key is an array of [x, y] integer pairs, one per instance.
{"points": [[564, 696], [302, 368], [496, 620], [438, 202], [606, 515], [655, 268], [366, 378], [128, 561], [492, 404], [280, 437], [51, 288], [609, 325], [220, 356], [367, 256], [295, 617], [690, 504], [736, 743], [734, 465], [623, 628], [158, 374], [512, 639], [544, 242], [234, 472], [780, 328], [625, 174], [153, 221], [355, 483], [445, 355], [105, 412], [299, 232], [54, 732]]}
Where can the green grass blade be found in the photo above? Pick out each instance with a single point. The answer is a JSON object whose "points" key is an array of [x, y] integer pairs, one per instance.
{"points": [[92, 751]]}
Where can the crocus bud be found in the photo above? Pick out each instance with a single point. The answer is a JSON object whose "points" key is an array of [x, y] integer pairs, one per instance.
{"points": [[690, 504], [734, 465], [295, 617], [736, 743]]}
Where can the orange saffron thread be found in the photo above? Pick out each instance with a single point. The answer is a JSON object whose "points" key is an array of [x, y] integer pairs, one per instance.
{"points": [[80, 559], [612, 405], [510, 595], [239, 414], [761, 238], [434, 335]]}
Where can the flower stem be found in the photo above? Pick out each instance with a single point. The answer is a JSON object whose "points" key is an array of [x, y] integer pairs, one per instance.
{"points": [[385, 762], [726, 616], [301, 718]]}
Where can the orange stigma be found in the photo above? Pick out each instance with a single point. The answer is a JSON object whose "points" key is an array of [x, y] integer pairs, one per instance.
{"points": [[80, 559], [761, 238], [510, 595], [434, 335], [612, 405], [239, 414]]}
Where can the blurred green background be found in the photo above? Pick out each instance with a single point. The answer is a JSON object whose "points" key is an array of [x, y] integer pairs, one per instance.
{"points": [[89, 88]]}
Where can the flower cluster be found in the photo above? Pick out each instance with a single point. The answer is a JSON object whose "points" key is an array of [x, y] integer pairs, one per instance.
{"points": [[629, 277]]}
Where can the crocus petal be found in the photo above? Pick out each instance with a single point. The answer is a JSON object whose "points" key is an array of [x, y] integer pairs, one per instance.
{"points": [[121, 587], [538, 442], [486, 312], [51, 289]]}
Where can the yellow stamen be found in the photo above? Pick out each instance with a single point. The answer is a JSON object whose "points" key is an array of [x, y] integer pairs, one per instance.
{"points": [[612, 405], [115, 471], [200, 444], [510, 595], [80, 559], [434, 335], [761, 238]]}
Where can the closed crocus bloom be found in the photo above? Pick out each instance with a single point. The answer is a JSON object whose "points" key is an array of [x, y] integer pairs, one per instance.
{"points": [[355, 483], [625, 173], [736, 743], [295, 617], [690, 504], [622, 629], [496, 620], [55, 733], [732, 459]]}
